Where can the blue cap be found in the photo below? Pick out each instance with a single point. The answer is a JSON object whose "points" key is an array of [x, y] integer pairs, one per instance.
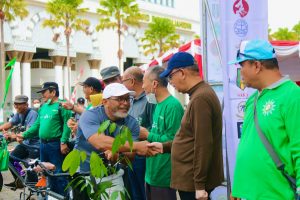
{"points": [[178, 60], [254, 50]]}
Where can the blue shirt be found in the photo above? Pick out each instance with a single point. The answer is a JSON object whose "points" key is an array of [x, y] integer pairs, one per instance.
{"points": [[89, 123], [30, 119]]}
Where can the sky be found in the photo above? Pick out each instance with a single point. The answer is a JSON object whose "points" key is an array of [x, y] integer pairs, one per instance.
{"points": [[283, 13]]}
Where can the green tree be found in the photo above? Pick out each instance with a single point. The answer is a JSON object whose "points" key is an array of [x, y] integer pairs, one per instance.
{"points": [[284, 34], [296, 29], [9, 11], [118, 14], [160, 36], [270, 34], [64, 13]]}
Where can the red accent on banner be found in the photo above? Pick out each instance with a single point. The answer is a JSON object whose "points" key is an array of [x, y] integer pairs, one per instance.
{"points": [[284, 43]]}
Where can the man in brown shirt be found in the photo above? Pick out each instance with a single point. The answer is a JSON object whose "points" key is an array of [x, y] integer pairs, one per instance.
{"points": [[196, 151]]}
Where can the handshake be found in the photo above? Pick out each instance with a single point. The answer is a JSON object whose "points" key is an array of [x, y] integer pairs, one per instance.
{"points": [[144, 148]]}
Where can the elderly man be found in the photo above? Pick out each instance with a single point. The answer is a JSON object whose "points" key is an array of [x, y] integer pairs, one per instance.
{"points": [[166, 121], [54, 133], [116, 104], [25, 117], [143, 112], [196, 151], [272, 112], [111, 75]]}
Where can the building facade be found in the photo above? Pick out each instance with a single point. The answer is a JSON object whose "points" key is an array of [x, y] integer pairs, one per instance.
{"points": [[41, 52]]}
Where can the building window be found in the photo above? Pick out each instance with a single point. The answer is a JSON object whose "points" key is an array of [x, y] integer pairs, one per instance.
{"points": [[167, 3]]}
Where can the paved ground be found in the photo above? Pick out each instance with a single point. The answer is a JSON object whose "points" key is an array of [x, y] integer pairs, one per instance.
{"points": [[6, 193]]}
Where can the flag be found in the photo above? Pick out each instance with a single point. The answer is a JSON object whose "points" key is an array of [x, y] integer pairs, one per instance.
{"points": [[8, 80]]}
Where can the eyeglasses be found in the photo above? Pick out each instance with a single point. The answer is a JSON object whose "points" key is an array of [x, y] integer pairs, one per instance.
{"points": [[126, 80], [240, 55], [122, 99], [172, 74]]}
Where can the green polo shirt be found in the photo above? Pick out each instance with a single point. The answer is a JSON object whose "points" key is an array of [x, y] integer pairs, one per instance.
{"points": [[166, 121], [278, 111], [49, 124]]}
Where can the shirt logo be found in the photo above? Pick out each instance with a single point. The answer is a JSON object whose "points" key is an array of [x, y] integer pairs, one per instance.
{"points": [[269, 107]]}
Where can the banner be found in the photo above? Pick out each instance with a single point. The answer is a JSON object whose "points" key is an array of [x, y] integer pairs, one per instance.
{"points": [[240, 20]]}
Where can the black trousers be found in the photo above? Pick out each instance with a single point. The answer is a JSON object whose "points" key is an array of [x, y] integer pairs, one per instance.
{"points": [[22, 152], [191, 195]]}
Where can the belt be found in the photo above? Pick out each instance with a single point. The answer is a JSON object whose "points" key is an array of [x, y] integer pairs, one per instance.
{"points": [[45, 141]]}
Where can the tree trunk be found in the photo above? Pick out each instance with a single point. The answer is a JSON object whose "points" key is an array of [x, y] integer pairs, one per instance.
{"points": [[2, 58], [120, 53], [69, 64]]}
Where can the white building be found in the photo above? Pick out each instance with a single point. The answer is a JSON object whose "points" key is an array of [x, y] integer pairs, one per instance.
{"points": [[40, 59]]}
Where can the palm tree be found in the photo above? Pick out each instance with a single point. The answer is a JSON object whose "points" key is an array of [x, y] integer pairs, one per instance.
{"points": [[160, 36], [118, 14], [64, 13], [284, 34], [296, 29], [9, 11]]}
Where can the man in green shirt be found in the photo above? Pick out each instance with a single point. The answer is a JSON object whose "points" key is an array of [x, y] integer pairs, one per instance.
{"points": [[277, 102], [51, 127], [166, 121]]}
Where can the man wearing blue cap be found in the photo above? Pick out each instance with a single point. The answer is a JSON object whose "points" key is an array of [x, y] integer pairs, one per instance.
{"points": [[271, 116], [196, 151]]}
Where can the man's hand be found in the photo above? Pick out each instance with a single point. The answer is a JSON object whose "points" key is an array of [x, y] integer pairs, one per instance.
{"points": [[67, 105], [201, 195], [110, 156], [73, 125], [20, 138], [143, 133], [141, 148], [6, 135], [64, 149], [154, 148]]}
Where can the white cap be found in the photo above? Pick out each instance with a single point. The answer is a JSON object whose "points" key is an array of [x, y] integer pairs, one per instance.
{"points": [[116, 90]]}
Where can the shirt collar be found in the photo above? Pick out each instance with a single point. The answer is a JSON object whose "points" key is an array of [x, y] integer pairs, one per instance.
{"points": [[279, 82], [195, 87], [141, 96]]}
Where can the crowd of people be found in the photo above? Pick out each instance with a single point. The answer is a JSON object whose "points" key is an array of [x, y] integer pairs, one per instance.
{"points": [[174, 149]]}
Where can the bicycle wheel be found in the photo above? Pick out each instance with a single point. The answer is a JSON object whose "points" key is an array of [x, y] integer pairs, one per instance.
{"points": [[1, 181]]}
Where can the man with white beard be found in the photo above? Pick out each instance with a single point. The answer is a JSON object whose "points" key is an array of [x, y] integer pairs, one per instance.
{"points": [[116, 104]]}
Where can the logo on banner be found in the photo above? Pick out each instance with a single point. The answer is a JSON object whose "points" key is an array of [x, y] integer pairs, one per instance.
{"points": [[239, 82], [241, 7], [241, 110], [239, 128], [241, 28]]}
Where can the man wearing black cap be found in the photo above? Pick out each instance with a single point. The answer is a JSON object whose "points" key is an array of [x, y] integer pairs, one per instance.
{"points": [[51, 126], [25, 117], [197, 161], [111, 75]]}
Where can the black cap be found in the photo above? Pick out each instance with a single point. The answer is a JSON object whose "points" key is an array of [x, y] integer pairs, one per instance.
{"points": [[47, 86], [80, 100], [109, 72], [92, 82]]}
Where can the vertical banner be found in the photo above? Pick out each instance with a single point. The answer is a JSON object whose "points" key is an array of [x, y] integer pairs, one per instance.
{"points": [[240, 20]]}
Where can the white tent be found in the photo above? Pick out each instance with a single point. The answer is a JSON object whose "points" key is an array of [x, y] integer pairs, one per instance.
{"points": [[288, 54]]}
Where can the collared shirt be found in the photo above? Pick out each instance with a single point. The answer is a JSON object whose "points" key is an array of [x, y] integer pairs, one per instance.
{"points": [[51, 123], [31, 117], [89, 123], [278, 111]]}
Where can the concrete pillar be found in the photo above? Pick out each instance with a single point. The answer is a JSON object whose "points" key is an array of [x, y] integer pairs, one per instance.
{"points": [[16, 76], [26, 75], [94, 66], [58, 62]]}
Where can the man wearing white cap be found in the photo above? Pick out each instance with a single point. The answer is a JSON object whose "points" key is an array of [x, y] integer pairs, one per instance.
{"points": [[116, 104]]}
